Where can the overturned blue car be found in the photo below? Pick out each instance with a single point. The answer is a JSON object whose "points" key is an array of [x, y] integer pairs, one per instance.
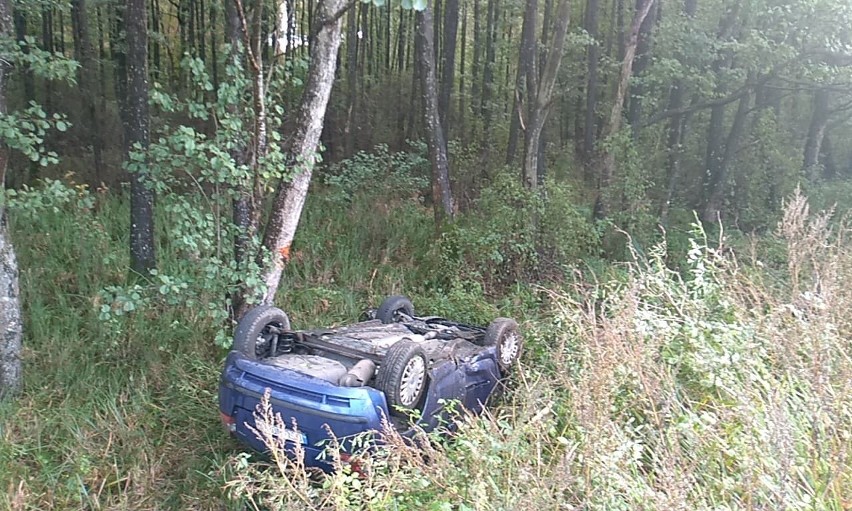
{"points": [[345, 381]]}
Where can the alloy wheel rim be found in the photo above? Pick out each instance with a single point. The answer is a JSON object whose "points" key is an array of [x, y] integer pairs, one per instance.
{"points": [[509, 348], [411, 381]]}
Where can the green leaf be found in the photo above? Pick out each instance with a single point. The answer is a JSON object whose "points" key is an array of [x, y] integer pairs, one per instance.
{"points": [[61, 126], [419, 5]]}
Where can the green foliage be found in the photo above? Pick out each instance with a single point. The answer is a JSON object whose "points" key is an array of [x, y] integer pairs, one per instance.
{"points": [[628, 194], [657, 390], [25, 131], [28, 55], [98, 394], [51, 196], [642, 388], [764, 174], [197, 176], [516, 235], [378, 173]]}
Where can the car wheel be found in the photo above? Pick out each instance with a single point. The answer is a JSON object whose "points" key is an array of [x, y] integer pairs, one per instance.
{"points": [[505, 335], [256, 330], [402, 377], [390, 309]]}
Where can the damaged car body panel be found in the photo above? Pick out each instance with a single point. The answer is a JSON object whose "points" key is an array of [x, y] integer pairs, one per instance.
{"points": [[352, 379]]}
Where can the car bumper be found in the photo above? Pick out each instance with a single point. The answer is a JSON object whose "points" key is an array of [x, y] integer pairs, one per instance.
{"points": [[315, 407]]}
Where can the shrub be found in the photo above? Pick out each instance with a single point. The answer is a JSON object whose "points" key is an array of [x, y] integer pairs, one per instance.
{"points": [[517, 235]]}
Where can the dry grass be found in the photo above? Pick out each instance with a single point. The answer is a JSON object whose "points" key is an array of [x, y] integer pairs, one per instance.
{"points": [[697, 391]]}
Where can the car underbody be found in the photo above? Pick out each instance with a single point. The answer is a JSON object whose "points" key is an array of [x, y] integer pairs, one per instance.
{"points": [[392, 368]]}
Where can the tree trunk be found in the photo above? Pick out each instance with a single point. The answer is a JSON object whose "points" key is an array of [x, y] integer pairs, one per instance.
{"points": [[643, 56], [154, 41], [462, 114], [87, 78], [202, 31], [714, 153], [475, 70], [414, 104], [241, 205], [829, 165], [490, 62], [401, 41], [816, 131], [351, 81], [214, 52], [523, 86], [719, 176], [255, 50], [592, 85], [11, 379], [47, 45], [442, 200], [451, 25], [546, 23], [142, 256], [302, 148], [388, 41], [20, 36], [117, 45], [677, 127], [102, 59], [541, 104], [436, 33], [675, 140], [614, 125]]}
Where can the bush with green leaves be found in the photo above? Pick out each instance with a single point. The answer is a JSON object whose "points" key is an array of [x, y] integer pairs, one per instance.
{"points": [[379, 173], [25, 130], [518, 235], [196, 176]]}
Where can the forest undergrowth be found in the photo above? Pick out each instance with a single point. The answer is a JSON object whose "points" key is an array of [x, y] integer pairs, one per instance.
{"points": [[705, 374]]}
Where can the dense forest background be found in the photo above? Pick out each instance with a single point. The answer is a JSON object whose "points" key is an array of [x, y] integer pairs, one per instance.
{"points": [[657, 190], [729, 105]]}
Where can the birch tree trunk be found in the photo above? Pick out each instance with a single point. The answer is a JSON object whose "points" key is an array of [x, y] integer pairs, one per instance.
{"points": [[11, 326], [302, 146]]}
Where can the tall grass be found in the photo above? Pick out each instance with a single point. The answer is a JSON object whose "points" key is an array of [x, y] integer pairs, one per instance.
{"points": [[120, 412], [725, 385], [703, 390]]}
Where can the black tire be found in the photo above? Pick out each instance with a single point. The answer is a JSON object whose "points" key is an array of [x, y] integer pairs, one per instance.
{"points": [[252, 336], [403, 377], [505, 334], [388, 311]]}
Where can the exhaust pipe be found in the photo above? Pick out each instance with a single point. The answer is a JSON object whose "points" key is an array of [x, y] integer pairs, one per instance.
{"points": [[359, 375]]}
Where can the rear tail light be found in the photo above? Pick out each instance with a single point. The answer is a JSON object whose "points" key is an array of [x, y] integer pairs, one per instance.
{"points": [[229, 422], [352, 461]]}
